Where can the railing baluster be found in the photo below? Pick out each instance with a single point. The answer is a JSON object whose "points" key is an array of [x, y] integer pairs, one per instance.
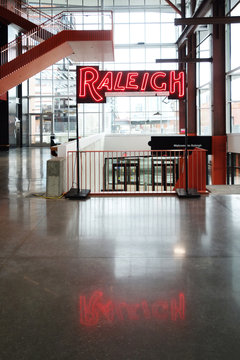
{"points": [[107, 177], [94, 169], [72, 169], [127, 171], [171, 171], [67, 173], [99, 181], [112, 172], [81, 167], [114, 183], [90, 169], [103, 160], [85, 184]]}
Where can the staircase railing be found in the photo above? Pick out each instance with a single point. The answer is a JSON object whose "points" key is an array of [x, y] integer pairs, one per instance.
{"points": [[26, 11], [85, 20]]}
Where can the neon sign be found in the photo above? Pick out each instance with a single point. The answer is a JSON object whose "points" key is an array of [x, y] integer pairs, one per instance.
{"points": [[96, 308], [93, 84]]}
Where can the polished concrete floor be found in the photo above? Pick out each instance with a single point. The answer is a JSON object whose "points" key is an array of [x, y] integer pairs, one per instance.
{"points": [[115, 278]]}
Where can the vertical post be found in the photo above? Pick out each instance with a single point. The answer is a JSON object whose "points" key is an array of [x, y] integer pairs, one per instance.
{"points": [[186, 146], [4, 133], [191, 87], [207, 180], [77, 135], [219, 97], [76, 193], [186, 193], [19, 140], [233, 164], [19, 125], [182, 108], [228, 168]]}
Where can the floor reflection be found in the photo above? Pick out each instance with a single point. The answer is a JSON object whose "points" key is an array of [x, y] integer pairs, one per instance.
{"points": [[97, 306], [115, 278], [23, 170]]}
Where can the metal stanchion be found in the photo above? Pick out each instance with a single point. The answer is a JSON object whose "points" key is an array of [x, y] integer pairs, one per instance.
{"points": [[77, 194], [186, 193]]}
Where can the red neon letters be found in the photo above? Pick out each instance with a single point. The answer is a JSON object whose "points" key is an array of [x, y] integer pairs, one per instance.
{"points": [[96, 308], [92, 84], [153, 81], [87, 84]]}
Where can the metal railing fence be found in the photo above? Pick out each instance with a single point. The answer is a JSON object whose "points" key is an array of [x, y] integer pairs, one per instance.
{"points": [[136, 172]]}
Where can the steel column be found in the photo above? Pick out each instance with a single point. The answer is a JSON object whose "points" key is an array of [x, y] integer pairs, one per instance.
{"points": [[219, 98], [4, 133], [219, 93], [182, 107], [201, 11], [191, 88]]}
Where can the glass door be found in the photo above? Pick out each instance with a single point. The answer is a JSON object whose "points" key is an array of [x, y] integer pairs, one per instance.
{"points": [[126, 175], [41, 129], [46, 126]]}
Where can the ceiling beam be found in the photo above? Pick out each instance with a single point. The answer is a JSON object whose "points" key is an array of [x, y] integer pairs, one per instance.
{"points": [[193, 6], [208, 20], [201, 11], [175, 8], [186, 60]]}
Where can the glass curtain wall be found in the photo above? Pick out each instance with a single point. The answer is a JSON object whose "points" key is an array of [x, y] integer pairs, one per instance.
{"points": [[14, 121], [144, 31], [233, 70], [233, 82], [204, 80]]}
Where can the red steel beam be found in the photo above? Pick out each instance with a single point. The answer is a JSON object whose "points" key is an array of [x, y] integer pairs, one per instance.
{"points": [[175, 8], [201, 11], [208, 20]]}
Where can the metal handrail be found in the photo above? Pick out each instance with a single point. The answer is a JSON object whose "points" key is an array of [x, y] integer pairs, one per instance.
{"points": [[26, 11], [135, 171], [62, 21]]}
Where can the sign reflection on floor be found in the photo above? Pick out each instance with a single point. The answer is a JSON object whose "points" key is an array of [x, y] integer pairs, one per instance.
{"points": [[96, 308]]}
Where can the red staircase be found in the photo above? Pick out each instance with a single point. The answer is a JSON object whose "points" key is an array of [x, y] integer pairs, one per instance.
{"points": [[21, 14], [55, 39]]}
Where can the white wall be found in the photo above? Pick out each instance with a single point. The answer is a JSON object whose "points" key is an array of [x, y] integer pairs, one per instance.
{"points": [[233, 143], [94, 142], [91, 143], [99, 142], [126, 142]]}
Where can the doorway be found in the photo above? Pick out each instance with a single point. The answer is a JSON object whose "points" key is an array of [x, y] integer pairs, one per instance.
{"points": [[41, 129], [121, 174]]}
